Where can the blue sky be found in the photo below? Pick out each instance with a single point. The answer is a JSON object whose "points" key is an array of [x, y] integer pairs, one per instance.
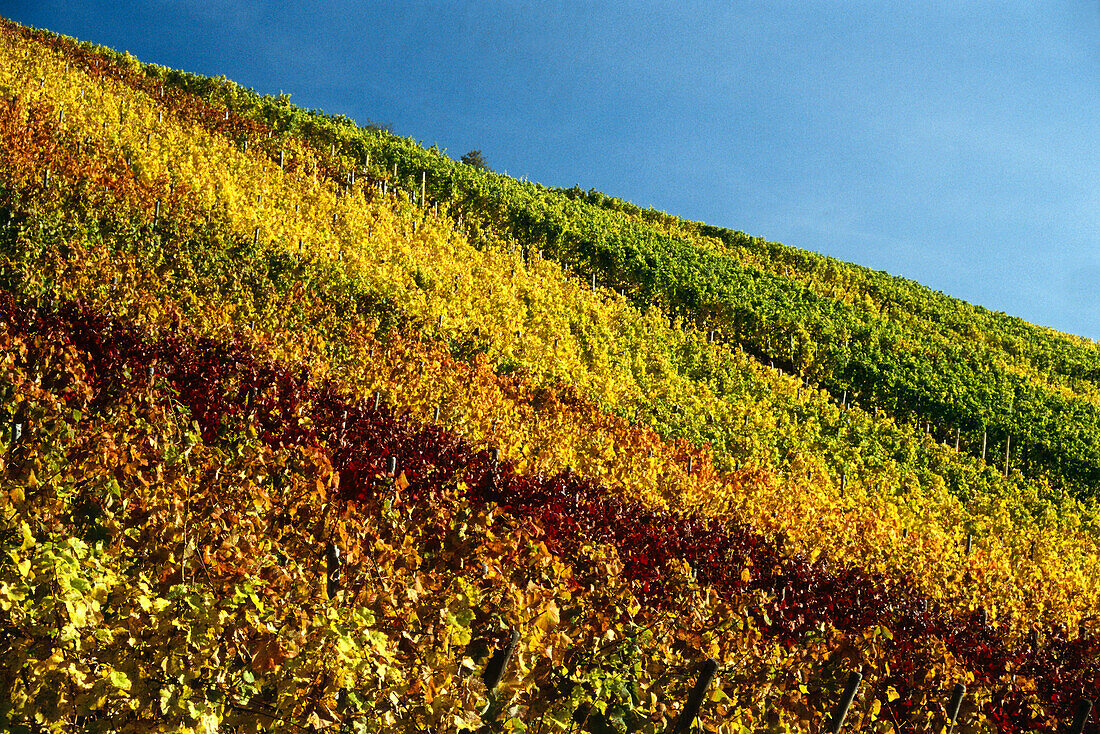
{"points": [[957, 144]]}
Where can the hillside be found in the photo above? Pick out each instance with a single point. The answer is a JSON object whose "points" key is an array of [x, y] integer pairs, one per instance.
{"points": [[308, 426]]}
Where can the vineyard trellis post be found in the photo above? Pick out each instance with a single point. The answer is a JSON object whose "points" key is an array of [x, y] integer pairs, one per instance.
{"points": [[332, 570], [957, 695], [1080, 716], [695, 698], [498, 663], [494, 673], [845, 702]]}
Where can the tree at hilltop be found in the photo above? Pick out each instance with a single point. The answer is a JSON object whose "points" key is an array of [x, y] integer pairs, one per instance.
{"points": [[476, 159]]}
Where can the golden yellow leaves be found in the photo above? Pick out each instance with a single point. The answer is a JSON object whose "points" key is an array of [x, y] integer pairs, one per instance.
{"points": [[548, 618], [556, 432]]}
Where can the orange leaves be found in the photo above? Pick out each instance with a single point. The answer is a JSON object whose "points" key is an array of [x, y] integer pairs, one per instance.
{"points": [[423, 583], [267, 653]]}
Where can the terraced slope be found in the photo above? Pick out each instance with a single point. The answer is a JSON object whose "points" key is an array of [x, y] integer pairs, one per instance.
{"points": [[255, 361]]}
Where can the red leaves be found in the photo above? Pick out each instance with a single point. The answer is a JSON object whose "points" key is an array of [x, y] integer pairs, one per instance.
{"points": [[215, 381]]}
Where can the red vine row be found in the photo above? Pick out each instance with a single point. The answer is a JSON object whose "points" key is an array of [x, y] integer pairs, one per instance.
{"points": [[226, 386]]}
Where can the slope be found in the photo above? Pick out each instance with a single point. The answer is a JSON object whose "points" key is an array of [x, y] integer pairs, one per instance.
{"points": [[152, 210]]}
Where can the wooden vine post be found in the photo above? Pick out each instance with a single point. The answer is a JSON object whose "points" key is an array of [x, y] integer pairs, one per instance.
{"points": [[1080, 716], [954, 704], [332, 570], [695, 699], [498, 663], [845, 702], [494, 673]]}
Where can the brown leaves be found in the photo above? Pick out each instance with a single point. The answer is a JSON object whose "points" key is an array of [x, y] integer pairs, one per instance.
{"points": [[267, 654]]}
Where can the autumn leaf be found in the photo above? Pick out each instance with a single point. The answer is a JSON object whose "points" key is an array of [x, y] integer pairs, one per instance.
{"points": [[267, 654], [549, 618]]}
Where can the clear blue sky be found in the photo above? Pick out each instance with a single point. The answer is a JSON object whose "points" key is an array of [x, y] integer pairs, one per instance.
{"points": [[954, 143]]}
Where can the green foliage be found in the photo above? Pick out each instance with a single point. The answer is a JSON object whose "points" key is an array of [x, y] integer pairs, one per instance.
{"points": [[893, 345], [149, 578]]}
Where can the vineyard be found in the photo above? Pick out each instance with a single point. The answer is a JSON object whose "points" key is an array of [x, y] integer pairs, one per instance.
{"points": [[307, 427]]}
